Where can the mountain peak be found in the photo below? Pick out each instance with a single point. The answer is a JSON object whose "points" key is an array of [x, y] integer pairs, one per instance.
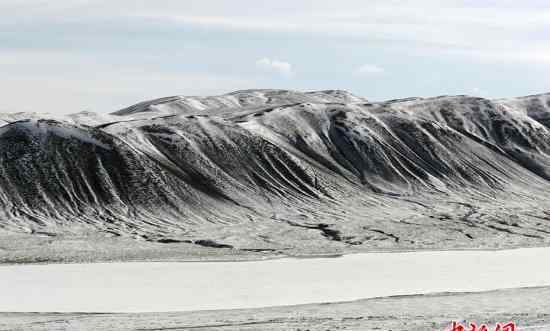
{"points": [[238, 99]]}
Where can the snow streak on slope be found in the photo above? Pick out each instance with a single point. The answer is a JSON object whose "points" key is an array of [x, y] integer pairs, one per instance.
{"points": [[272, 169]]}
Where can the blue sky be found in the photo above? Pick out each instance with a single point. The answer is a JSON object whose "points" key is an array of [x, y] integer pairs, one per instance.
{"points": [[66, 56]]}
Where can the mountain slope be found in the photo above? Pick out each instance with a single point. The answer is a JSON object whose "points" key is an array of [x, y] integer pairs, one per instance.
{"points": [[285, 171]]}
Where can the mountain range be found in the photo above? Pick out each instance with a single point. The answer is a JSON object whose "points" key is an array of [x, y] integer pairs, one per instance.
{"points": [[284, 171]]}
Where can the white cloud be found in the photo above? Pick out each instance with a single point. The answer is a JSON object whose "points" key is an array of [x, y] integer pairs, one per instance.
{"points": [[458, 26], [509, 25], [272, 65], [368, 69]]}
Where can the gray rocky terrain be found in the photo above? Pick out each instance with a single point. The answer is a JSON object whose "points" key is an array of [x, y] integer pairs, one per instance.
{"points": [[260, 173]]}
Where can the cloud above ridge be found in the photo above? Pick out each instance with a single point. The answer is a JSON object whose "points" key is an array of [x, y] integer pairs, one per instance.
{"points": [[271, 65]]}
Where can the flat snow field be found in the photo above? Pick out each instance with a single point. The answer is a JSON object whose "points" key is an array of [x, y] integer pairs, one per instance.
{"points": [[153, 287]]}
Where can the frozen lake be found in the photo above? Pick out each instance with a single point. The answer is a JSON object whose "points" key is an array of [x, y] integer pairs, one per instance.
{"points": [[159, 286]]}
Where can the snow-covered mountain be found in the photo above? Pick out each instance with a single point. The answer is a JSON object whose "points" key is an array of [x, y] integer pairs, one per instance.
{"points": [[272, 169]]}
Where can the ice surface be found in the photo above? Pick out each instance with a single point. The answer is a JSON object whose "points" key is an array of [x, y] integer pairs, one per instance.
{"points": [[156, 287]]}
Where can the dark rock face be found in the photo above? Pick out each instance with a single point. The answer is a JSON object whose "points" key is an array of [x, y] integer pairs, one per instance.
{"points": [[164, 168]]}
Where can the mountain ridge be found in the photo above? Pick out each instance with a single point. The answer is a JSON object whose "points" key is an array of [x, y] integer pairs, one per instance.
{"points": [[285, 171]]}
